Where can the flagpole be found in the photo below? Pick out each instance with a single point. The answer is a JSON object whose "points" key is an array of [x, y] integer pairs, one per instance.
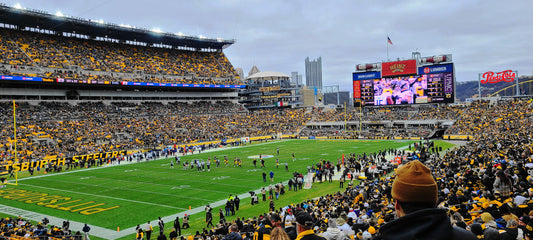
{"points": [[387, 42]]}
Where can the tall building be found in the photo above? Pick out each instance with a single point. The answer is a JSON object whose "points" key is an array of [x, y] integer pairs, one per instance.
{"points": [[296, 78], [253, 71], [313, 73]]}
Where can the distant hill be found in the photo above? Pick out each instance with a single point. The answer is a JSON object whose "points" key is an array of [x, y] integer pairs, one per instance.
{"points": [[469, 89]]}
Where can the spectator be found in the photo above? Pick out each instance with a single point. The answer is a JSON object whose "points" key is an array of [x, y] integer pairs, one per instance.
{"points": [[415, 196], [332, 232], [233, 233], [279, 234], [305, 227]]}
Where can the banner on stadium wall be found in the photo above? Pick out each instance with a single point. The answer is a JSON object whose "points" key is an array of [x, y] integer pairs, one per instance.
{"points": [[24, 166], [20, 78], [399, 68], [269, 89], [366, 75], [124, 83], [444, 68], [356, 89], [503, 76]]}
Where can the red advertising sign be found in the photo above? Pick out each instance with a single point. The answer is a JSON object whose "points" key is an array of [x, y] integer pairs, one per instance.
{"points": [[356, 89], [398, 68], [491, 77]]}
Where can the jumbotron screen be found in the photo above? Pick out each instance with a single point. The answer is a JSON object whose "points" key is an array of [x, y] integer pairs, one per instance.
{"points": [[433, 84]]}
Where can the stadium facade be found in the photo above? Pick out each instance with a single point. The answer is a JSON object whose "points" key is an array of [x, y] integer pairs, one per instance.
{"points": [[271, 90]]}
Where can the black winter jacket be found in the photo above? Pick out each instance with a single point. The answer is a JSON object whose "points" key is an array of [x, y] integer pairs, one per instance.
{"points": [[428, 224]]}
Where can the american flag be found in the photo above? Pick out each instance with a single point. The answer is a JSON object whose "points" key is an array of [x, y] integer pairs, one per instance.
{"points": [[389, 41]]}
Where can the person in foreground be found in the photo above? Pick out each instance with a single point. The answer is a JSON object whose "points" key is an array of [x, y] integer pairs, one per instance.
{"points": [[304, 226], [415, 199]]}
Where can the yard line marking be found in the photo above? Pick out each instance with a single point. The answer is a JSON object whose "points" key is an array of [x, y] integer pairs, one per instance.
{"points": [[129, 189], [96, 195]]}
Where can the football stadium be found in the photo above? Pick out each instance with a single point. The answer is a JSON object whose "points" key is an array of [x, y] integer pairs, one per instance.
{"points": [[117, 132]]}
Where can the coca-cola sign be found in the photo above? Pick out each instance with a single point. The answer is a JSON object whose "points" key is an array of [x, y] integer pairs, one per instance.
{"points": [[492, 77]]}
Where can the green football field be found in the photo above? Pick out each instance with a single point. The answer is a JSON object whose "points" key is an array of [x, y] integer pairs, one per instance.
{"points": [[129, 194]]}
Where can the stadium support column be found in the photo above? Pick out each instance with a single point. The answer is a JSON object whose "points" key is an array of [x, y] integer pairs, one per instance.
{"points": [[479, 85], [517, 84], [345, 120]]}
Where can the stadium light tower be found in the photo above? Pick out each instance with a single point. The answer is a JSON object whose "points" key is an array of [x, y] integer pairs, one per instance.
{"points": [[156, 30], [59, 14], [17, 6]]}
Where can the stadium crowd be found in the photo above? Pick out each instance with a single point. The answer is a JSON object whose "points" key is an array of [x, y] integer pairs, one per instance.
{"points": [[61, 129], [48, 56], [486, 185], [376, 120], [422, 112], [20, 228]]}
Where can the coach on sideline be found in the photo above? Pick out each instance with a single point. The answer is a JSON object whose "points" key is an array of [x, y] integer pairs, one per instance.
{"points": [[415, 198]]}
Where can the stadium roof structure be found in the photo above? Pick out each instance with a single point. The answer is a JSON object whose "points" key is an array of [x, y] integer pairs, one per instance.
{"points": [[267, 75], [37, 19]]}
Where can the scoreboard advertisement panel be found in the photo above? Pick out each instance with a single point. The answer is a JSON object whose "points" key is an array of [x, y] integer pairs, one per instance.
{"points": [[363, 86], [432, 84]]}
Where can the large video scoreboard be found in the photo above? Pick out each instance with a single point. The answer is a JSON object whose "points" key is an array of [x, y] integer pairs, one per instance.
{"points": [[403, 82]]}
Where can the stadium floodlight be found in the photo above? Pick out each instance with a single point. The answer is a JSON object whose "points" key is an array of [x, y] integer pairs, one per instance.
{"points": [[101, 21], [202, 37], [220, 40], [125, 25], [156, 30], [18, 6], [59, 14]]}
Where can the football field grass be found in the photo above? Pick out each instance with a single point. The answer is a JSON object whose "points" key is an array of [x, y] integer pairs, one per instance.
{"points": [[129, 194]]}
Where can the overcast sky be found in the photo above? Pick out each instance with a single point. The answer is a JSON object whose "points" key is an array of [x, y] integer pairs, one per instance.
{"points": [[276, 35]]}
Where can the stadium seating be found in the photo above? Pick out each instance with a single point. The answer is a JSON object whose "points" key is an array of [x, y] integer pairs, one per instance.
{"points": [[53, 128], [502, 137], [75, 58], [502, 142]]}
